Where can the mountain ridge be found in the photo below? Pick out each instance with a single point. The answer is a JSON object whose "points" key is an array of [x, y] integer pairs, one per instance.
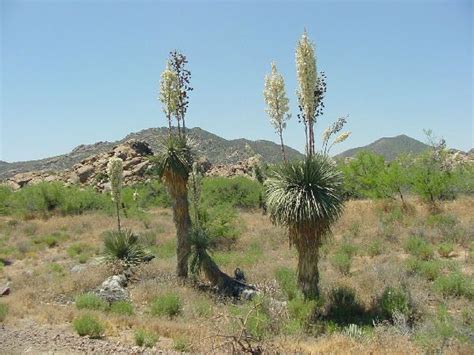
{"points": [[215, 148], [388, 147]]}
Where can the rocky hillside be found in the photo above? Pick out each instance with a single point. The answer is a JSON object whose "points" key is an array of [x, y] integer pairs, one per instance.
{"points": [[389, 147], [210, 146]]}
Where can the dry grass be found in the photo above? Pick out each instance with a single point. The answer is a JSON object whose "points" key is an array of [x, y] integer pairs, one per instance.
{"points": [[46, 296]]}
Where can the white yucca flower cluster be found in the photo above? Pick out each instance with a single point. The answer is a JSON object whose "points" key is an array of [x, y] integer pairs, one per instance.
{"points": [[276, 99], [115, 170], [169, 91], [342, 137], [307, 76]]}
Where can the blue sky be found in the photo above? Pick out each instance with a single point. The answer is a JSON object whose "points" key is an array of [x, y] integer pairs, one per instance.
{"points": [[76, 72]]}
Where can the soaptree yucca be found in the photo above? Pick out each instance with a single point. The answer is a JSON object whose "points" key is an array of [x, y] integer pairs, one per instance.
{"points": [[174, 165], [306, 198]]}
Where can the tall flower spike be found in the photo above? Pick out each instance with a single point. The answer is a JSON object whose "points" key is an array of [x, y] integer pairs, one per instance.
{"points": [[114, 170]]}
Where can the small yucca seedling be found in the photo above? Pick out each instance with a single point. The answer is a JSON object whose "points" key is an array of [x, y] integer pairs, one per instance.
{"points": [[124, 248]]}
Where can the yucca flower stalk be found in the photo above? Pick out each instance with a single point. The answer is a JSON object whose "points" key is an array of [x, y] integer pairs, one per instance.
{"points": [[277, 103], [169, 93], [115, 172], [307, 76]]}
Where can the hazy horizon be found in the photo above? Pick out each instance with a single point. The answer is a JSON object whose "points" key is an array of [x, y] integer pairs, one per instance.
{"points": [[80, 72]]}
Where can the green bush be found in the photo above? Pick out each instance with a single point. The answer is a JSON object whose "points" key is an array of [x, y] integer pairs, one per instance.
{"points": [[81, 251], [445, 249], [91, 301], [166, 305], [88, 325], [50, 240], [123, 308], [418, 247], [429, 269], [145, 338], [149, 194], [301, 310], [46, 198], [286, 278], [344, 308], [221, 224], [394, 300], [181, 344], [3, 311], [56, 268], [455, 284], [237, 191], [375, 248], [258, 317], [342, 262], [5, 196]]}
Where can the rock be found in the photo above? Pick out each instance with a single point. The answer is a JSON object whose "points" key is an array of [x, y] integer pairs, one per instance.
{"points": [[78, 268], [113, 289], [248, 294], [84, 172], [4, 291]]}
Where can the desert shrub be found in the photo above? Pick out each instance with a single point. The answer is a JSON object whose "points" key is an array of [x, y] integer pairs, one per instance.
{"points": [[342, 262], [181, 344], [3, 311], [394, 299], [145, 338], [91, 301], [429, 269], [166, 305], [301, 310], [237, 191], [257, 315], [50, 240], [56, 268], [123, 308], [81, 251], [418, 247], [375, 248], [88, 325], [344, 308], [123, 247], [286, 278], [455, 284], [149, 194], [445, 249], [221, 224], [348, 248], [202, 308], [5, 196], [46, 198]]}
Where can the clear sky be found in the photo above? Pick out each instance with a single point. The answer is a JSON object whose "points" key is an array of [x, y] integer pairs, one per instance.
{"points": [[76, 72]]}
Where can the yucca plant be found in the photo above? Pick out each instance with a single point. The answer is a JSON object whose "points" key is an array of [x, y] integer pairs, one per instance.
{"points": [[174, 165], [306, 198], [123, 248]]}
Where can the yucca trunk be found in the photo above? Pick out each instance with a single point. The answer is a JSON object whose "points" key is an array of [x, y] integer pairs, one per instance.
{"points": [[177, 187], [307, 243], [226, 284]]}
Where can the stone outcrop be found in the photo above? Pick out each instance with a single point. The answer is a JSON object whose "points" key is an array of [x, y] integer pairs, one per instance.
{"points": [[92, 171]]}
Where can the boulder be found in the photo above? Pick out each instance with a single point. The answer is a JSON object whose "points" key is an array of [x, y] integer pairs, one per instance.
{"points": [[113, 289], [84, 172]]}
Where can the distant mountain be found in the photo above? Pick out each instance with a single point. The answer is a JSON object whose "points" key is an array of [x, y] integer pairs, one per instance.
{"points": [[389, 147], [217, 149]]}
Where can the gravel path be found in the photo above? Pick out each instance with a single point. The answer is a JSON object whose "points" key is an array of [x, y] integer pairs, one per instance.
{"points": [[34, 339]]}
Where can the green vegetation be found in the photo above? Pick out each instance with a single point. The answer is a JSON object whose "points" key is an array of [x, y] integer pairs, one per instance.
{"points": [[123, 247], [88, 325], [123, 308], [455, 284], [91, 301], [3, 311], [418, 247], [145, 338], [395, 300], [237, 192], [169, 305]]}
